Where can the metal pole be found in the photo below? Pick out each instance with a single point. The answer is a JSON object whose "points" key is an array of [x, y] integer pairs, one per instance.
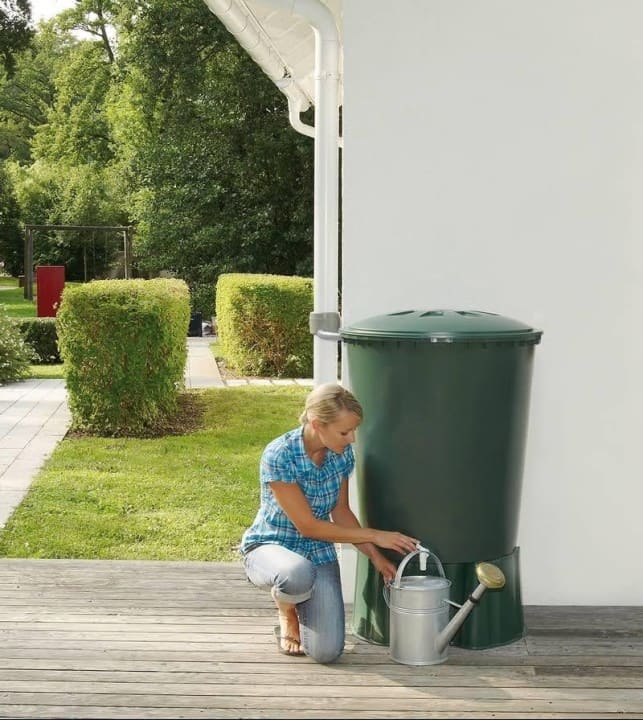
{"points": [[25, 262], [29, 266], [126, 254]]}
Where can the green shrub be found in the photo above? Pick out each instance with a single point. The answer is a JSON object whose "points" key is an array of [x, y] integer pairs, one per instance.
{"points": [[15, 355], [41, 336], [124, 347], [262, 323]]}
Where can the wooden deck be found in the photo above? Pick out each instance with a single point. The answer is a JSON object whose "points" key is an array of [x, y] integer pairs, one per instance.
{"points": [[119, 639]]}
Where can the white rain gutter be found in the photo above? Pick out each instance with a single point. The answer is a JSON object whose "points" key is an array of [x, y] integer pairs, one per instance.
{"points": [[237, 18]]}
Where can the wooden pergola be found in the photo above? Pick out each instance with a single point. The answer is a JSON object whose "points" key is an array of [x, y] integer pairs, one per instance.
{"points": [[29, 233]]}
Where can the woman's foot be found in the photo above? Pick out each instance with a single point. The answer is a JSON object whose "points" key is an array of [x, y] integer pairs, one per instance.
{"points": [[288, 637], [286, 644]]}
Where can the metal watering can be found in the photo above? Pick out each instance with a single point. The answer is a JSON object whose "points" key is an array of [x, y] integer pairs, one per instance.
{"points": [[419, 605]]}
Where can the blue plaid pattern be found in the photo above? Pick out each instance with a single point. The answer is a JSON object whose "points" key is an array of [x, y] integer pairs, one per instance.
{"points": [[285, 460]]}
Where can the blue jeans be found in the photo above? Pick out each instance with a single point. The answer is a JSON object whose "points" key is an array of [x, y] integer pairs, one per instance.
{"points": [[316, 590]]}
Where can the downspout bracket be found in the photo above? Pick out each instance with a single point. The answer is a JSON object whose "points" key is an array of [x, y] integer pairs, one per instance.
{"points": [[328, 321]]}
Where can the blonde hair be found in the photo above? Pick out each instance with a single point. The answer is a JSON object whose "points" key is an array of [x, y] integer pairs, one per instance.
{"points": [[327, 401]]}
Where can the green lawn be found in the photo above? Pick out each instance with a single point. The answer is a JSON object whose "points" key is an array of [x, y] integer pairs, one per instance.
{"points": [[186, 497], [12, 298], [47, 372]]}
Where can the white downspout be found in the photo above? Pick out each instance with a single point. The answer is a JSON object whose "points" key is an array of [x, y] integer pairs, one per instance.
{"points": [[236, 17], [294, 115], [326, 230]]}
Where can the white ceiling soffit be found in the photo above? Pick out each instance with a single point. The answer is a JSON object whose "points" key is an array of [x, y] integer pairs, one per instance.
{"points": [[280, 43]]}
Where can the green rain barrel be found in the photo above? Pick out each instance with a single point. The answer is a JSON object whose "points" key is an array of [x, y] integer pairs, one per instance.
{"points": [[440, 453]]}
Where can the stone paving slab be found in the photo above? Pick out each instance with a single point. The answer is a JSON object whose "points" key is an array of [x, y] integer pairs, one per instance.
{"points": [[201, 369], [34, 417]]}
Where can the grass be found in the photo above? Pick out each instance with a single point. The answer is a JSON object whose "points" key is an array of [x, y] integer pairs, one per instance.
{"points": [[185, 497], [47, 372], [16, 305]]}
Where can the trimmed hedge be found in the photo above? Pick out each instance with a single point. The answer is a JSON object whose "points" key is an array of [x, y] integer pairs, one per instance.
{"points": [[42, 336], [262, 323], [124, 346]]}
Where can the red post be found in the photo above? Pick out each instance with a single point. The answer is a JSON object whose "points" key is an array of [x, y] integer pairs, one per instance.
{"points": [[50, 281]]}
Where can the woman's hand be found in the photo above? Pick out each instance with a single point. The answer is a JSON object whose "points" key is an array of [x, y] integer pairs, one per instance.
{"points": [[384, 566], [395, 541]]}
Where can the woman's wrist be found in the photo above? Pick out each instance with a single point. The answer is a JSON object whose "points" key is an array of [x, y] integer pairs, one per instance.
{"points": [[368, 548]]}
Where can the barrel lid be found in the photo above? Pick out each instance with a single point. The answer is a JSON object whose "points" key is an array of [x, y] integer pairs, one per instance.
{"points": [[441, 326]]}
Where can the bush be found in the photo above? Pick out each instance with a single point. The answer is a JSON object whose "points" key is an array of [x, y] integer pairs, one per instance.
{"points": [[124, 346], [15, 355], [41, 336], [262, 323]]}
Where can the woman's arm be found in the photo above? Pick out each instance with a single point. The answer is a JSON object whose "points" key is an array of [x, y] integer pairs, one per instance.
{"points": [[343, 515], [293, 502]]}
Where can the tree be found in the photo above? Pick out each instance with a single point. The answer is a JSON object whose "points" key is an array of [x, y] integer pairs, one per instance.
{"points": [[28, 96], [11, 244], [15, 30], [77, 129], [70, 180], [81, 195], [164, 122], [93, 17], [219, 180]]}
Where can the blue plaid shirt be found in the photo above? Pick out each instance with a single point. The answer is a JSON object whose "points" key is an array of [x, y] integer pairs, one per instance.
{"points": [[285, 460]]}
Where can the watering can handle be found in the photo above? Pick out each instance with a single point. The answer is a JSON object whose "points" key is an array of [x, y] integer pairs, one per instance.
{"points": [[410, 556]]}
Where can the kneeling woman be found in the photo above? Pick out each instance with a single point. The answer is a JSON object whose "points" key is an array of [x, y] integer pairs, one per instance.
{"points": [[290, 547]]}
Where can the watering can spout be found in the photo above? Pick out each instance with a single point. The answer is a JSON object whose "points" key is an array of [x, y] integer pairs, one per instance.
{"points": [[490, 577]]}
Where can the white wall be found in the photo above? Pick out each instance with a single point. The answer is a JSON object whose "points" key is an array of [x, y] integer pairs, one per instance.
{"points": [[494, 161]]}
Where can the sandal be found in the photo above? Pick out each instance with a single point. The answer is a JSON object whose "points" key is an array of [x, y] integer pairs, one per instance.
{"points": [[279, 637]]}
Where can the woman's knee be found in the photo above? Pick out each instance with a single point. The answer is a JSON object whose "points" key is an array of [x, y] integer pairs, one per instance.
{"points": [[297, 581], [324, 649]]}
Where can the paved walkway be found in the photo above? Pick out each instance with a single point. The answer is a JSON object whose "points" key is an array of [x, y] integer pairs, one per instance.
{"points": [[34, 417], [201, 370]]}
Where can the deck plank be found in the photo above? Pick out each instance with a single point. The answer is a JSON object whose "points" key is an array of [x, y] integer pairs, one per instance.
{"points": [[137, 639]]}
